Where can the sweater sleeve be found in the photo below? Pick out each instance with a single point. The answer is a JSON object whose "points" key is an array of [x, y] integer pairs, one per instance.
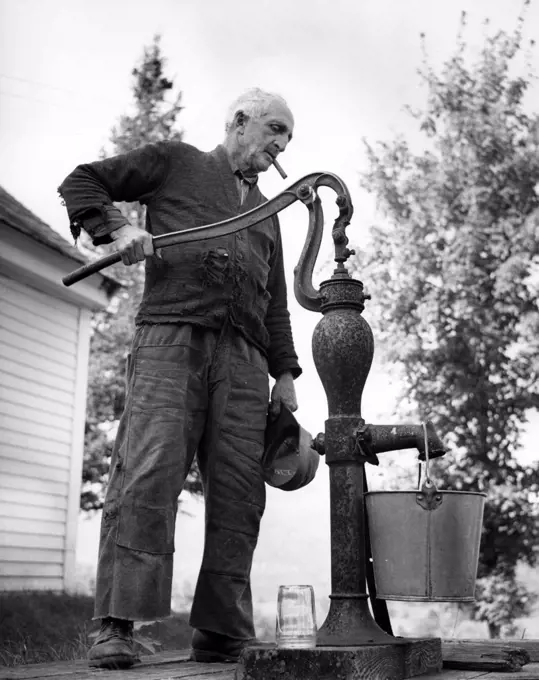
{"points": [[90, 190], [282, 356]]}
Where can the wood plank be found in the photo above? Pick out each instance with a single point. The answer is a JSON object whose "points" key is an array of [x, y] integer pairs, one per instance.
{"points": [[30, 327], [32, 526], [36, 442], [33, 470], [17, 390], [529, 672], [19, 511], [21, 569], [531, 646], [37, 348], [37, 377], [25, 413], [52, 490], [38, 460], [36, 432], [30, 583], [42, 268], [77, 446], [135, 673], [162, 666], [35, 498], [456, 675], [38, 303], [175, 665], [460, 657], [47, 325], [22, 356], [29, 555], [14, 540]]}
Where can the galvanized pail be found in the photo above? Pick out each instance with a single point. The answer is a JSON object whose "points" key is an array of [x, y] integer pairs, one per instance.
{"points": [[425, 543], [425, 553]]}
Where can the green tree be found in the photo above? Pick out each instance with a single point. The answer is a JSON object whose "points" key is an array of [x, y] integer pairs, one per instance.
{"points": [[453, 269], [153, 119]]}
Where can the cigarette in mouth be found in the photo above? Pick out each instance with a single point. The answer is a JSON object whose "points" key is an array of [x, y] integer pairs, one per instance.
{"points": [[279, 169]]}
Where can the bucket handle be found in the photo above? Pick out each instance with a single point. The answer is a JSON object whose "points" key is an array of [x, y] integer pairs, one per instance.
{"points": [[427, 496]]}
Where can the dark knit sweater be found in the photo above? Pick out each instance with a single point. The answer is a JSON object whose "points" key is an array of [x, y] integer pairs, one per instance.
{"points": [[238, 277]]}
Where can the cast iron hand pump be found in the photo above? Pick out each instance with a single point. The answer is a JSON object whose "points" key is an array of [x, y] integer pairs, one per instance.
{"points": [[343, 348]]}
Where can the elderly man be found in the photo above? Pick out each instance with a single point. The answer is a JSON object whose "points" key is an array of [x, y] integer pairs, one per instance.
{"points": [[212, 323]]}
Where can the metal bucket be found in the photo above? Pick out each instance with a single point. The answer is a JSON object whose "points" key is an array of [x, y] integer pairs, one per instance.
{"points": [[425, 543]]}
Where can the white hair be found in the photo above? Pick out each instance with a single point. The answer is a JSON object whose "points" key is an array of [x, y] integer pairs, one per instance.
{"points": [[253, 103]]}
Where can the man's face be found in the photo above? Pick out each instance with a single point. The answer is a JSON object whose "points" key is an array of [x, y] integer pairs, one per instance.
{"points": [[262, 138]]}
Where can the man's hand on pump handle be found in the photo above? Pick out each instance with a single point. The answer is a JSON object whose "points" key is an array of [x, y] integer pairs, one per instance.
{"points": [[134, 244]]}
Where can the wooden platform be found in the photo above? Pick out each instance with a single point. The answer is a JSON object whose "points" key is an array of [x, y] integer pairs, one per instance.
{"points": [[176, 666]]}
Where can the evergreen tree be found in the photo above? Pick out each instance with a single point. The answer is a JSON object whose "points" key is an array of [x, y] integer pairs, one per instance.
{"points": [[153, 119]]}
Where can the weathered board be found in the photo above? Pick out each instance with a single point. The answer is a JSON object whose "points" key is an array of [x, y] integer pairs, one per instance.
{"points": [[529, 672], [482, 656], [529, 646], [162, 666], [176, 666]]}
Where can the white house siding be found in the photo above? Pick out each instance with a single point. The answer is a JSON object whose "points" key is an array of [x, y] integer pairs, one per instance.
{"points": [[43, 342]]}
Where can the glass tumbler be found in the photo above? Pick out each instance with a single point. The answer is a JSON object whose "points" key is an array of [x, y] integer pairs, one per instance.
{"points": [[296, 617]]}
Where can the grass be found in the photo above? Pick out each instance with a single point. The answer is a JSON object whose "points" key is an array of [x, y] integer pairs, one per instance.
{"points": [[44, 626]]}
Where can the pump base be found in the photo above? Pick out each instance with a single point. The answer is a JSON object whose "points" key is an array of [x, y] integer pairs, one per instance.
{"points": [[407, 658]]}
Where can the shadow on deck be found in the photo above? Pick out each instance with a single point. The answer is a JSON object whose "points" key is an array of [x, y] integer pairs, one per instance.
{"points": [[162, 666]]}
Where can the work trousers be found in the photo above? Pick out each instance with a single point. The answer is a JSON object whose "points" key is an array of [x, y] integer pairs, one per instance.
{"points": [[190, 390]]}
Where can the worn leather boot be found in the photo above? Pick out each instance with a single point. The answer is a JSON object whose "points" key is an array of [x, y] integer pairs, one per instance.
{"points": [[114, 646], [208, 647]]}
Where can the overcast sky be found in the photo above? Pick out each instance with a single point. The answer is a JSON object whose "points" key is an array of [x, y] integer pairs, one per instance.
{"points": [[346, 67]]}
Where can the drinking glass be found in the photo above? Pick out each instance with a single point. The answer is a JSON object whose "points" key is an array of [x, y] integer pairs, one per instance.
{"points": [[296, 617]]}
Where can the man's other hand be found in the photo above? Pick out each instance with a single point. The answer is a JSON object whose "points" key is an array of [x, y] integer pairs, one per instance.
{"points": [[283, 392], [132, 243]]}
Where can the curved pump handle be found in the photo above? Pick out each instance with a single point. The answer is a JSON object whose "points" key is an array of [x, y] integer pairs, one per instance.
{"points": [[304, 190], [306, 294]]}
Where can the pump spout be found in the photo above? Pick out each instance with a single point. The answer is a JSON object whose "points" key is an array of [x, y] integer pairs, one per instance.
{"points": [[374, 439], [369, 440]]}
